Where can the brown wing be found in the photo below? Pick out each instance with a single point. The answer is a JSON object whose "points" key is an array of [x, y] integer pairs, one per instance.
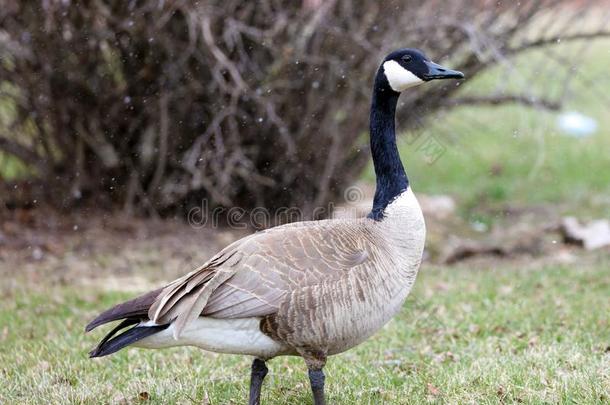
{"points": [[252, 276]]}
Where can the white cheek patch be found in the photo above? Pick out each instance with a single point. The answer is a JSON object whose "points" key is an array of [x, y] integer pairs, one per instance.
{"points": [[399, 78]]}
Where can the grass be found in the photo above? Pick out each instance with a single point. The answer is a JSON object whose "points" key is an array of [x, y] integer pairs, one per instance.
{"points": [[489, 335]]}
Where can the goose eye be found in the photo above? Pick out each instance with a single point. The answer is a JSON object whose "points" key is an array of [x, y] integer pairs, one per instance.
{"points": [[407, 58]]}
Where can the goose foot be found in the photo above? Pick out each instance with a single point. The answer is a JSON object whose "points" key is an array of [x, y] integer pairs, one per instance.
{"points": [[259, 371], [316, 379]]}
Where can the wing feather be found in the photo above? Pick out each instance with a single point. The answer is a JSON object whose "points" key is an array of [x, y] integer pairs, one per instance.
{"points": [[252, 276], [195, 304], [170, 295]]}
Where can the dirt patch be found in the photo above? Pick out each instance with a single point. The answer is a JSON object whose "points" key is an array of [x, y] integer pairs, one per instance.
{"points": [[112, 252], [79, 249]]}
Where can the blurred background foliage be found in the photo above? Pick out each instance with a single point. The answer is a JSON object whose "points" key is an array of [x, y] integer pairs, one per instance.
{"points": [[152, 106]]}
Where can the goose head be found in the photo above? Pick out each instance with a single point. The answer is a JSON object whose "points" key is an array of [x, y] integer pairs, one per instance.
{"points": [[408, 67]]}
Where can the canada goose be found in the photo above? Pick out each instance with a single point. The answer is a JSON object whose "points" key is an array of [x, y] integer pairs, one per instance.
{"points": [[312, 289]]}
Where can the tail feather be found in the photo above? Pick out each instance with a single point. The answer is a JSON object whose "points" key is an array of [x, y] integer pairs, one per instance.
{"points": [[135, 308], [125, 323], [110, 344]]}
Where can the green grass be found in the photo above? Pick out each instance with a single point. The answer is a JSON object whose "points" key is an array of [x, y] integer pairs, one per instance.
{"points": [[486, 336]]}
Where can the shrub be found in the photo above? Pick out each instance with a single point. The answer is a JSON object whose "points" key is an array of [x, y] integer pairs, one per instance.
{"points": [[156, 105]]}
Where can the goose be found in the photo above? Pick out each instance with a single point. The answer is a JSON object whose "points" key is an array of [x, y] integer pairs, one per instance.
{"points": [[311, 289]]}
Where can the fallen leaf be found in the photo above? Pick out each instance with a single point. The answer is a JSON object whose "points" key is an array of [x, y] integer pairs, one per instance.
{"points": [[432, 390]]}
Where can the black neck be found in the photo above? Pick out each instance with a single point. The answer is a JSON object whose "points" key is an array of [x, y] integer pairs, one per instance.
{"points": [[391, 177]]}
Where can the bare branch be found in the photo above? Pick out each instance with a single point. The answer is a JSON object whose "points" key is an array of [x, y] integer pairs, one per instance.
{"points": [[496, 100], [23, 153], [163, 135], [554, 40]]}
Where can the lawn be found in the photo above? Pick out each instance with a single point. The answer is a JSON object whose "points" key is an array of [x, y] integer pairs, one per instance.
{"points": [[485, 334]]}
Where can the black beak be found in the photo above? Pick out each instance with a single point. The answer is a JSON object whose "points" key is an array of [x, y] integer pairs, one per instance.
{"points": [[436, 71]]}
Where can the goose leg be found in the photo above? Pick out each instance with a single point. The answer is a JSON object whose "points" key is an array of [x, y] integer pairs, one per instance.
{"points": [[315, 360], [259, 371], [316, 379]]}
